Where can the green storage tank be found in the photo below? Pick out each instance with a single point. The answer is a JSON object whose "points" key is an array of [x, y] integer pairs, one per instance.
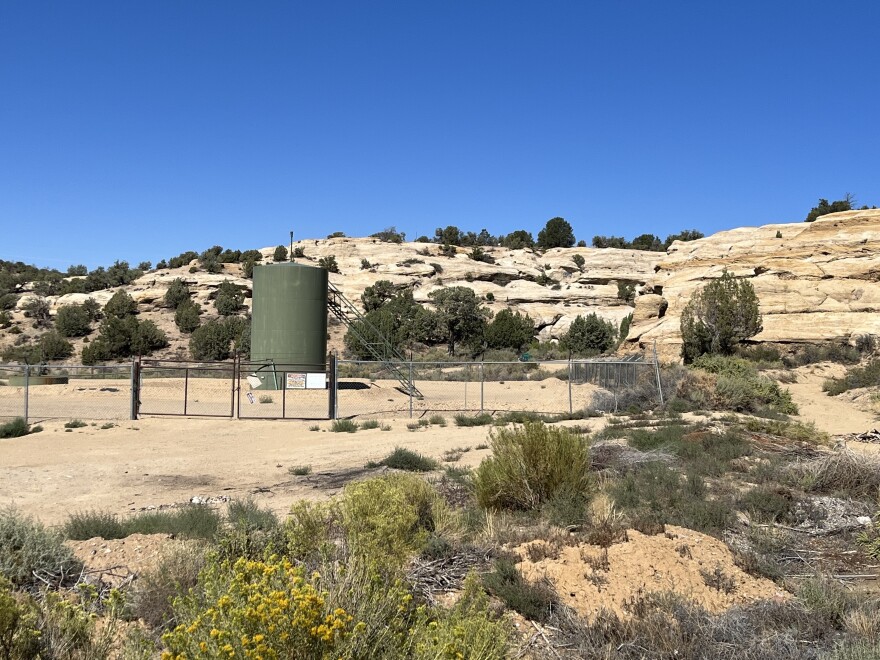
{"points": [[289, 318]]}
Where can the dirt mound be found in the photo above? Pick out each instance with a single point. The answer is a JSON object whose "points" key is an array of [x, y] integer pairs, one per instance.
{"points": [[698, 567], [119, 560]]}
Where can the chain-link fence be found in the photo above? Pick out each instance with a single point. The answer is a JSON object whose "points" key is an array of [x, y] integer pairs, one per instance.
{"points": [[187, 389], [354, 389], [552, 387], [65, 392], [13, 395], [269, 392]]}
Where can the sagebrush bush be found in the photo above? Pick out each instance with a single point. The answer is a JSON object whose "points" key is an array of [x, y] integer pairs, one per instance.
{"points": [[843, 472], [530, 464], [391, 517], [189, 522], [27, 547], [856, 377], [409, 460], [14, 429], [534, 601], [177, 571]]}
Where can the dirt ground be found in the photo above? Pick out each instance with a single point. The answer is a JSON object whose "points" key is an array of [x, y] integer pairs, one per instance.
{"points": [[834, 415], [162, 461], [691, 564]]}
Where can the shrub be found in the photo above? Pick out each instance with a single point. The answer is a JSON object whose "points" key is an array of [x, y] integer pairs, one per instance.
{"points": [[410, 461], [510, 330], [718, 317], [842, 472], [28, 549], [120, 306], [533, 601], [75, 424], [530, 465], [187, 317], [329, 263], [73, 321], [53, 346], [824, 208], [626, 291], [483, 419], [387, 519], [253, 608], [177, 293], [175, 573], [556, 233], [390, 235], [589, 335], [191, 521], [856, 377], [654, 494], [216, 339], [741, 388], [14, 429], [368, 424], [37, 309], [299, 470], [280, 253], [94, 524], [229, 298], [344, 426]]}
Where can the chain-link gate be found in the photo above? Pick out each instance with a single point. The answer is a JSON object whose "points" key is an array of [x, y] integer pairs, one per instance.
{"points": [[186, 389], [13, 392], [269, 392]]}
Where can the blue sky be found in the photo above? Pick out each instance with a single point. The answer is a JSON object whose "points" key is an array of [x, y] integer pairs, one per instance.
{"points": [[137, 130]]}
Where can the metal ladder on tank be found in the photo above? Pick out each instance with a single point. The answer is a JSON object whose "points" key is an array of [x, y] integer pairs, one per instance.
{"points": [[370, 337]]}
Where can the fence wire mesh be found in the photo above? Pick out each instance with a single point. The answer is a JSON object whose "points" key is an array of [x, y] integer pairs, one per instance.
{"points": [[552, 387], [188, 389], [12, 392], [66, 392]]}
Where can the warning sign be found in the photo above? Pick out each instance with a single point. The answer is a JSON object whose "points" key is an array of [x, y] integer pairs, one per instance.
{"points": [[296, 381]]}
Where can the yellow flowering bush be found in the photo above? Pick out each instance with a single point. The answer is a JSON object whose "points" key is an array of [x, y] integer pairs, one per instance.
{"points": [[389, 519], [466, 632], [256, 609]]}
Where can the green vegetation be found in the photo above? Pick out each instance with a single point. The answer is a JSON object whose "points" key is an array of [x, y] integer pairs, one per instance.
{"points": [[718, 317], [824, 208], [177, 293], [31, 553], [73, 321], [556, 233], [510, 330], [14, 429], [300, 470], [280, 254], [49, 346], [191, 521], [229, 298], [856, 377], [218, 339], [329, 263], [531, 465], [75, 424], [482, 419], [409, 461], [344, 426], [589, 335], [648, 242], [187, 317]]}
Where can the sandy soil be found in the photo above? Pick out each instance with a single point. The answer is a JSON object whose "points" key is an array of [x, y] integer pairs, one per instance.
{"points": [[118, 561], [162, 461], [834, 415], [646, 564]]}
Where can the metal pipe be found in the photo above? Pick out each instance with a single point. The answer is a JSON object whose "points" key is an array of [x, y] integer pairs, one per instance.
{"points": [[27, 377], [570, 402], [482, 382], [185, 389]]}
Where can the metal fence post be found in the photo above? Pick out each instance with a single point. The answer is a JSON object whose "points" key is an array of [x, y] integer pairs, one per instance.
{"points": [[482, 381], [135, 387], [27, 376], [332, 389], [657, 372], [570, 404], [410, 388]]}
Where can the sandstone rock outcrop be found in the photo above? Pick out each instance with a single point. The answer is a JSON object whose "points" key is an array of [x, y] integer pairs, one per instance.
{"points": [[819, 282]]}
